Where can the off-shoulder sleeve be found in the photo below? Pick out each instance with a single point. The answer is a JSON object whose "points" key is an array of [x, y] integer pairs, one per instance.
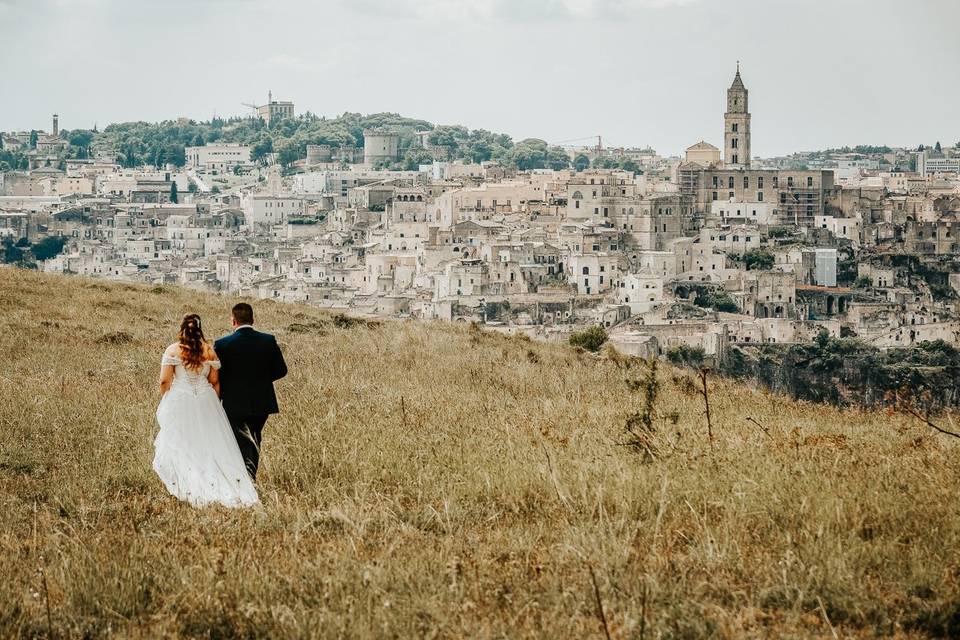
{"points": [[214, 364], [168, 359]]}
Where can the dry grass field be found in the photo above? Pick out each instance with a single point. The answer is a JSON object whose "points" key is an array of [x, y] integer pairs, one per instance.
{"points": [[426, 480]]}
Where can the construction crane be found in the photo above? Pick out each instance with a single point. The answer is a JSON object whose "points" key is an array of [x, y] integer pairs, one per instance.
{"points": [[256, 108], [598, 148]]}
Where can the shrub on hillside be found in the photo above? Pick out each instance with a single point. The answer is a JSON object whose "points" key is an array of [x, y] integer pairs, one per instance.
{"points": [[758, 260], [591, 338], [49, 247], [684, 355], [718, 300]]}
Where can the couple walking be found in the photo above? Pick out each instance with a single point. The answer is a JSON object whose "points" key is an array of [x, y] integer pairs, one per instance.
{"points": [[214, 404]]}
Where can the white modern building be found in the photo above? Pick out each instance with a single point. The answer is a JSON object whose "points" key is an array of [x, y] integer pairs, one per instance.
{"points": [[218, 157]]}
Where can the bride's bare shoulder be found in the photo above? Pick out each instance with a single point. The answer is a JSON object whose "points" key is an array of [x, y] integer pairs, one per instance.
{"points": [[172, 350]]}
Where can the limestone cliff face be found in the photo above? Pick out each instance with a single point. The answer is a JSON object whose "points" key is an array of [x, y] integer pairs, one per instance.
{"points": [[848, 372]]}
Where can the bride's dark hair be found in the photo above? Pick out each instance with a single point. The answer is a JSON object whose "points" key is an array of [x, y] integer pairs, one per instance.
{"points": [[191, 341]]}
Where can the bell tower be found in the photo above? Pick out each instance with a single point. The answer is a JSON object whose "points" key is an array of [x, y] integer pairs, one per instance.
{"points": [[736, 126]]}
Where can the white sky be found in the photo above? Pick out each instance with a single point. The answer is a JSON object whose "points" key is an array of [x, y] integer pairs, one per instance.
{"points": [[821, 73]]}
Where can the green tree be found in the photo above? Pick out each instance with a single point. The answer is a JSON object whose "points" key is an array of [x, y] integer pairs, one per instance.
{"points": [[414, 157], [288, 154], [581, 162], [174, 196], [557, 158], [529, 154], [81, 139], [758, 260], [604, 162], [261, 148], [48, 247], [11, 253]]}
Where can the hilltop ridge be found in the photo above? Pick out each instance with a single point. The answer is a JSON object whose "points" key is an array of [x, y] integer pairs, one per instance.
{"points": [[428, 479]]}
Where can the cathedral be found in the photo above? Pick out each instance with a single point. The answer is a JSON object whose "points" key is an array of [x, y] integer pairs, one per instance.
{"points": [[734, 184]]}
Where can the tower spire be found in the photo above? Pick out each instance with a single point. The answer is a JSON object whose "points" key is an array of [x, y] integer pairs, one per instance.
{"points": [[736, 125]]}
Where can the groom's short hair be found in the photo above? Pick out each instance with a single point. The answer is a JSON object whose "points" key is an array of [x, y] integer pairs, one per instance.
{"points": [[242, 313]]}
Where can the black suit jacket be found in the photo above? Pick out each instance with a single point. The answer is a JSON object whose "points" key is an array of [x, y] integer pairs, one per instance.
{"points": [[250, 363]]}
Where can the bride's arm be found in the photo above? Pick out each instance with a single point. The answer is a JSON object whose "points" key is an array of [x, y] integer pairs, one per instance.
{"points": [[166, 378], [214, 378]]}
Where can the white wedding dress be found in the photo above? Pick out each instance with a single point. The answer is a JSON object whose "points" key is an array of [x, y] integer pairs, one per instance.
{"points": [[196, 454]]}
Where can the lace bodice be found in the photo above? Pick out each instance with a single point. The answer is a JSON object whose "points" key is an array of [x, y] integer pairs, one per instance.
{"points": [[194, 380]]}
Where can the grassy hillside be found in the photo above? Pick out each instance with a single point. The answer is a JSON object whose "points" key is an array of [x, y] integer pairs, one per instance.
{"points": [[427, 480]]}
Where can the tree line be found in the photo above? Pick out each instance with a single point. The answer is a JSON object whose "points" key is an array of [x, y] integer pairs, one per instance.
{"points": [[143, 143]]}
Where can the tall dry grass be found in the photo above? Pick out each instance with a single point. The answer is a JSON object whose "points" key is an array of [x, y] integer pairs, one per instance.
{"points": [[426, 480]]}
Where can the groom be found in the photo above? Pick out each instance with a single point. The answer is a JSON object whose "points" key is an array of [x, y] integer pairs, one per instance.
{"points": [[250, 363]]}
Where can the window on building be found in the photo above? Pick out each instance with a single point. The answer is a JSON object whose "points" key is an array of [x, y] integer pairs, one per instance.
{"points": [[733, 143], [736, 127], [759, 199], [809, 181], [759, 182], [736, 160], [714, 195], [586, 271]]}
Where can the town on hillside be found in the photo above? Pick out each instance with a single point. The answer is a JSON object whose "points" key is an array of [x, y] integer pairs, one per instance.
{"points": [[702, 253]]}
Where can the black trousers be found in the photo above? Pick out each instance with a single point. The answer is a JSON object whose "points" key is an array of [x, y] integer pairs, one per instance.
{"points": [[248, 432]]}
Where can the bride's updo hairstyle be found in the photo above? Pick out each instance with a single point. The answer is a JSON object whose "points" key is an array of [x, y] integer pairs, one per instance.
{"points": [[191, 341]]}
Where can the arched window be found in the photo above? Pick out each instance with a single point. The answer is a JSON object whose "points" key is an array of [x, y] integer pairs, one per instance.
{"points": [[730, 182], [577, 195], [586, 271]]}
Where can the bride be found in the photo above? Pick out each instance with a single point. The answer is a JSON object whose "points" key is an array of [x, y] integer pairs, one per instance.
{"points": [[196, 453]]}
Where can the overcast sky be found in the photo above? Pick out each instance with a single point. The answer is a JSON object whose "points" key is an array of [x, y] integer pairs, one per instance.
{"points": [[821, 73]]}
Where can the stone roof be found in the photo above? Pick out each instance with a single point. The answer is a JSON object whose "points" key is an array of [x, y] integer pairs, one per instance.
{"points": [[737, 81], [702, 145]]}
